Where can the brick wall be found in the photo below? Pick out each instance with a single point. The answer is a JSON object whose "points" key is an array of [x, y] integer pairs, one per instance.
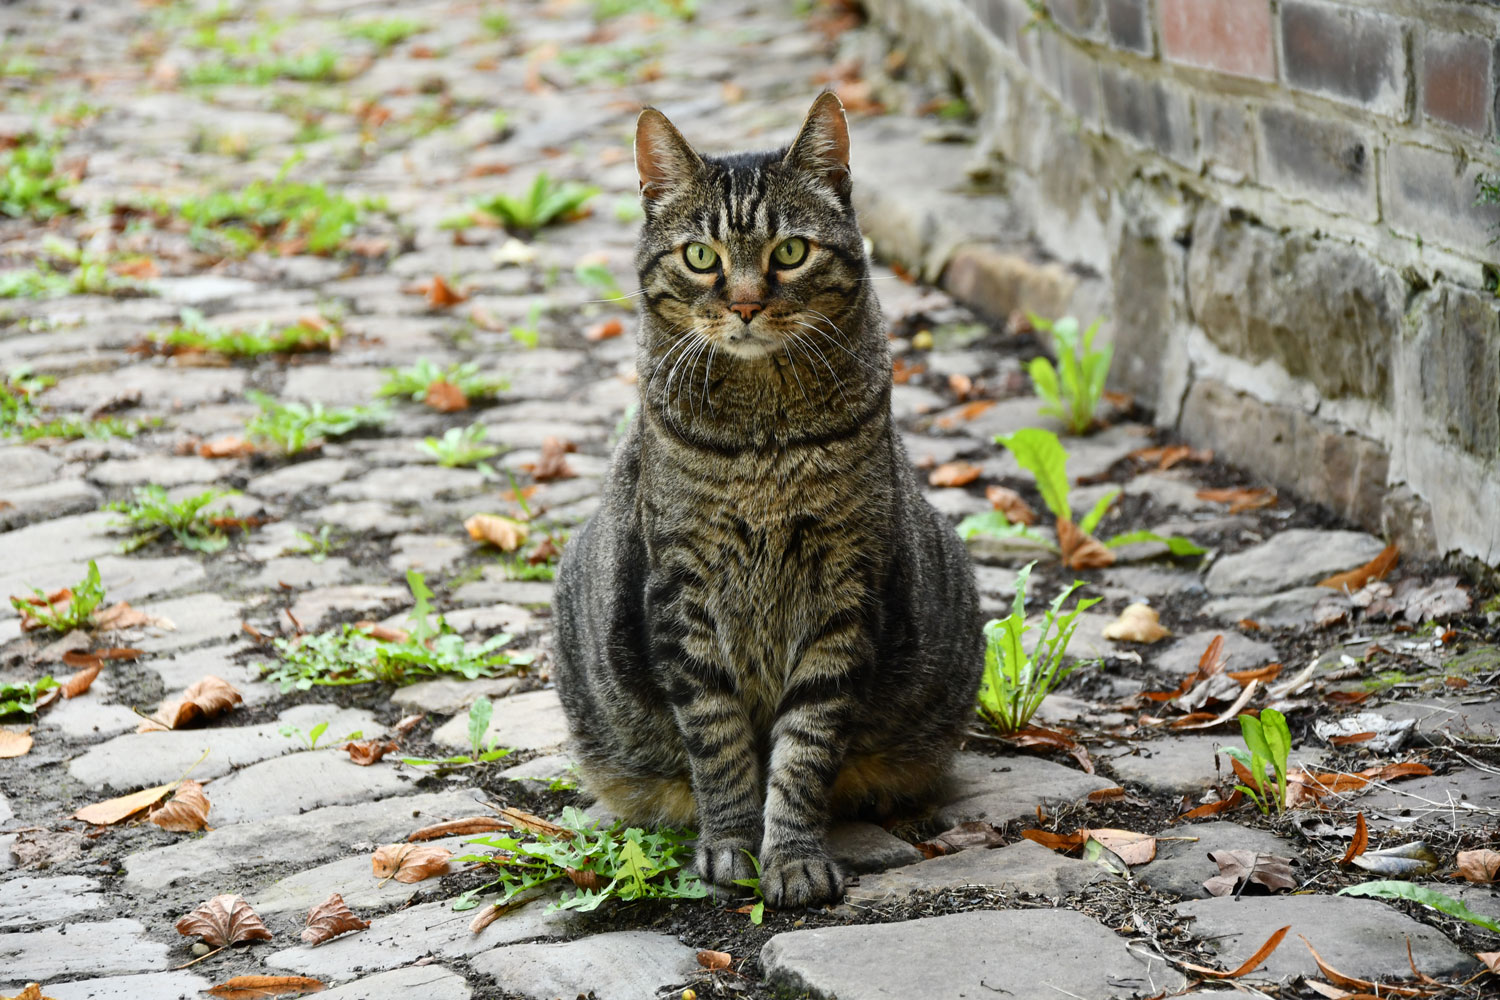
{"points": [[1274, 201]]}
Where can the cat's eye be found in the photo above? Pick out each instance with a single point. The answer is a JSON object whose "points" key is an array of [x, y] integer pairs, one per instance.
{"points": [[791, 252], [700, 256]]}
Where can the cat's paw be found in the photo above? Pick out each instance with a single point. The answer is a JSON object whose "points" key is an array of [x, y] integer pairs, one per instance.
{"points": [[721, 860], [790, 883]]}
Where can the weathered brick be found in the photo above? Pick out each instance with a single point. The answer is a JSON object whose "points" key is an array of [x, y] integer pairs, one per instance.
{"points": [[1322, 310], [999, 17], [1129, 24], [1154, 113], [1318, 160], [1456, 79], [1229, 36], [1226, 137], [1078, 17], [1349, 55], [1071, 75], [1457, 345], [1429, 194], [998, 283]]}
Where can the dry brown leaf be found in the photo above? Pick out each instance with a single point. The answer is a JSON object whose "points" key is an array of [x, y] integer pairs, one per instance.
{"points": [[407, 723], [1011, 504], [367, 752], [115, 810], [121, 615], [14, 744], [505, 533], [458, 827], [208, 698], [1240, 500], [545, 551], [440, 295], [55, 602], [962, 386], [445, 397], [1057, 841], [253, 987], [1214, 808], [1491, 960], [1250, 964], [1482, 865], [1081, 550], [902, 370], [76, 684], [385, 633], [588, 881], [224, 920], [1359, 843], [604, 331], [1375, 569], [974, 833], [226, 447], [187, 812], [410, 862], [1197, 722], [33, 991], [1036, 736], [329, 919], [1350, 982], [1132, 848], [528, 821], [553, 463], [713, 961], [1137, 623], [1249, 867]]}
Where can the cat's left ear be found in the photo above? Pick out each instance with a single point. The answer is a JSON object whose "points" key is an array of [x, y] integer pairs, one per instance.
{"points": [[663, 158], [822, 146]]}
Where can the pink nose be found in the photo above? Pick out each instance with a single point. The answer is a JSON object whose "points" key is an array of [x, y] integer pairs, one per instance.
{"points": [[747, 310]]}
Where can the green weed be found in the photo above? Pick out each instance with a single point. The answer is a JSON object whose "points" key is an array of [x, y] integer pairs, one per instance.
{"points": [[21, 417], [462, 446], [254, 65], [1442, 902], [602, 281], [679, 10], [431, 648], [484, 750], [310, 738], [758, 911], [30, 185], [546, 202], [90, 275], [495, 22], [386, 32], [618, 65], [296, 427], [614, 864], [21, 697], [83, 598], [317, 547], [415, 380], [286, 212], [197, 334], [1015, 682], [528, 333], [151, 515], [1269, 743], [1072, 390]]}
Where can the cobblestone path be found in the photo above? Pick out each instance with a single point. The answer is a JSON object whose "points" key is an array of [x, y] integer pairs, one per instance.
{"points": [[154, 104]]}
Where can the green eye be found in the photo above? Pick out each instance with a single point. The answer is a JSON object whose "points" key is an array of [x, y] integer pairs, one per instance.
{"points": [[700, 256], [791, 253]]}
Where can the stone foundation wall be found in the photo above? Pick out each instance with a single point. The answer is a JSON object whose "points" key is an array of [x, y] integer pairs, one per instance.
{"points": [[1273, 202]]}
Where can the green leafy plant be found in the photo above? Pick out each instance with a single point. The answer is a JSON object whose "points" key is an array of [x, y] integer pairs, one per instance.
{"points": [[30, 185], [21, 696], [681, 10], [256, 67], [310, 738], [296, 427], [20, 416], [1015, 682], [484, 750], [602, 281], [84, 274], [547, 201], [195, 333], [414, 380], [279, 210], [317, 546], [495, 22], [1073, 389], [1269, 743], [529, 332], [614, 864], [462, 446], [758, 911], [430, 647], [83, 598], [385, 32], [1439, 901], [189, 520]]}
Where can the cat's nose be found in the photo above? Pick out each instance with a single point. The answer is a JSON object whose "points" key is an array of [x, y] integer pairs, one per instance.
{"points": [[747, 310]]}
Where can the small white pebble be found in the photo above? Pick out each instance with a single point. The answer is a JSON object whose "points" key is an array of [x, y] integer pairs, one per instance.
{"points": [[201, 948]]}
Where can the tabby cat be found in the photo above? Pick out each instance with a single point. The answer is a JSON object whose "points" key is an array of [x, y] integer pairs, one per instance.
{"points": [[764, 626]]}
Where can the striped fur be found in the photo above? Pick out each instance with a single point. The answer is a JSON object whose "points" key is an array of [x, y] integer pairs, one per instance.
{"points": [[765, 626]]}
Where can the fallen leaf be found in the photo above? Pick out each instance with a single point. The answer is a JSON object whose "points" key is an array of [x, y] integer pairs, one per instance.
{"points": [[458, 827], [969, 411], [528, 821], [407, 723], [1166, 456], [208, 698], [1240, 500], [33, 991], [1375, 569], [76, 684], [1403, 861], [1036, 736], [505, 533], [81, 658], [385, 633], [609, 328], [1100, 796], [553, 463], [713, 961], [974, 833], [1131, 847], [329, 919], [1250, 964], [55, 602], [14, 744], [1057, 841], [960, 385], [224, 920], [1215, 720], [226, 447], [410, 862], [1381, 734], [1081, 550], [445, 397], [1137, 623], [902, 370], [440, 295], [1349, 982], [1482, 865], [1248, 867], [367, 752], [1491, 960], [121, 615], [1011, 504], [252, 987], [1359, 843], [186, 812], [1214, 808], [115, 810], [1264, 674]]}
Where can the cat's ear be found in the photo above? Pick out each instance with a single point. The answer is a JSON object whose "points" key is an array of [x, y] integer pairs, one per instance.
{"points": [[663, 158], [822, 146]]}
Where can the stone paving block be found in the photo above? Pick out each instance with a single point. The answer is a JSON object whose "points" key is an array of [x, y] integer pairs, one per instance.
{"points": [[151, 986], [139, 760], [494, 588], [100, 948], [428, 554], [301, 571], [36, 547], [544, 768], [160, 388], [429, 982], [297, 479], [493, 619], [865, 847], [410, 484], [1464, 799], [295, 783], [308, 839], [1299, 557], [1446, 720], [1359, 937], [1182, 865], [88, 716], [449, 695], [332, 386], [1177, 765], [179, 470], [1023, 866], [997, 789], [1241, 652], [30, 901], [351, 878], [1026, 953], [1137, 584], [315, 609], [1287, 609], [366, 517], [530, 721], [181, 670], [623, 965], [202, 289], [199, 619], [22, 466], [36, 503]]}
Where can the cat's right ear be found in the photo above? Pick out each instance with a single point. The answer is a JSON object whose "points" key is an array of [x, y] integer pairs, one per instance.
{"points": [[663, 158]]}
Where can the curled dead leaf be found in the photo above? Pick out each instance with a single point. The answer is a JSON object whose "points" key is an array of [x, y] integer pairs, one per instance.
{"points": [[1248, 867], [1011, 504], [226, 447], [1360, 841], [77, 683], [445, 397], [505, 533], [1491, 960], [224, 920], [33, 991], [186, 812], [14, 744], [255, 987], [1137, 623], [120, 615], [1250, 964], [1375, 569], [459, 827], [951, 474], [385, 633], [1081, 550], [1240, 500], [589, 881], [439, 294], [367, 752], [329, 919], [527, 821], [553, 463], [604, 331], [713, 961], [121, 808], [410, 862], [407, 723], [1482, 865], [545, 551], [207, 699]]}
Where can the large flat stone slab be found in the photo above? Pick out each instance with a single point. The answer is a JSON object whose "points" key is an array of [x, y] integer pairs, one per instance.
{"points": [[1023, 866], [1359, 937], [315, 609], [530, 721], [1182, 863], [139, 760], [1284, 609], [864, 847], [351, 878], [151, 986], [199, 619], [1299, 557], [30, 901], [308, 839], [94, 949], [1027, 953], [1462, 799], [997, 789], [285, 786], [37, 503], [623, 965], [1446, 720], [160, 388], [1240, 651], [450, 695], [428, 982]]}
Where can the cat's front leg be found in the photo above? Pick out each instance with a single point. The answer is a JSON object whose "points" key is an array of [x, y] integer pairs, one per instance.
{"points": [[720, 743]]}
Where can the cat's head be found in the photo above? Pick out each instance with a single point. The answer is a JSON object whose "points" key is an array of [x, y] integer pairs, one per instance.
{"points": [[753, 253]]}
